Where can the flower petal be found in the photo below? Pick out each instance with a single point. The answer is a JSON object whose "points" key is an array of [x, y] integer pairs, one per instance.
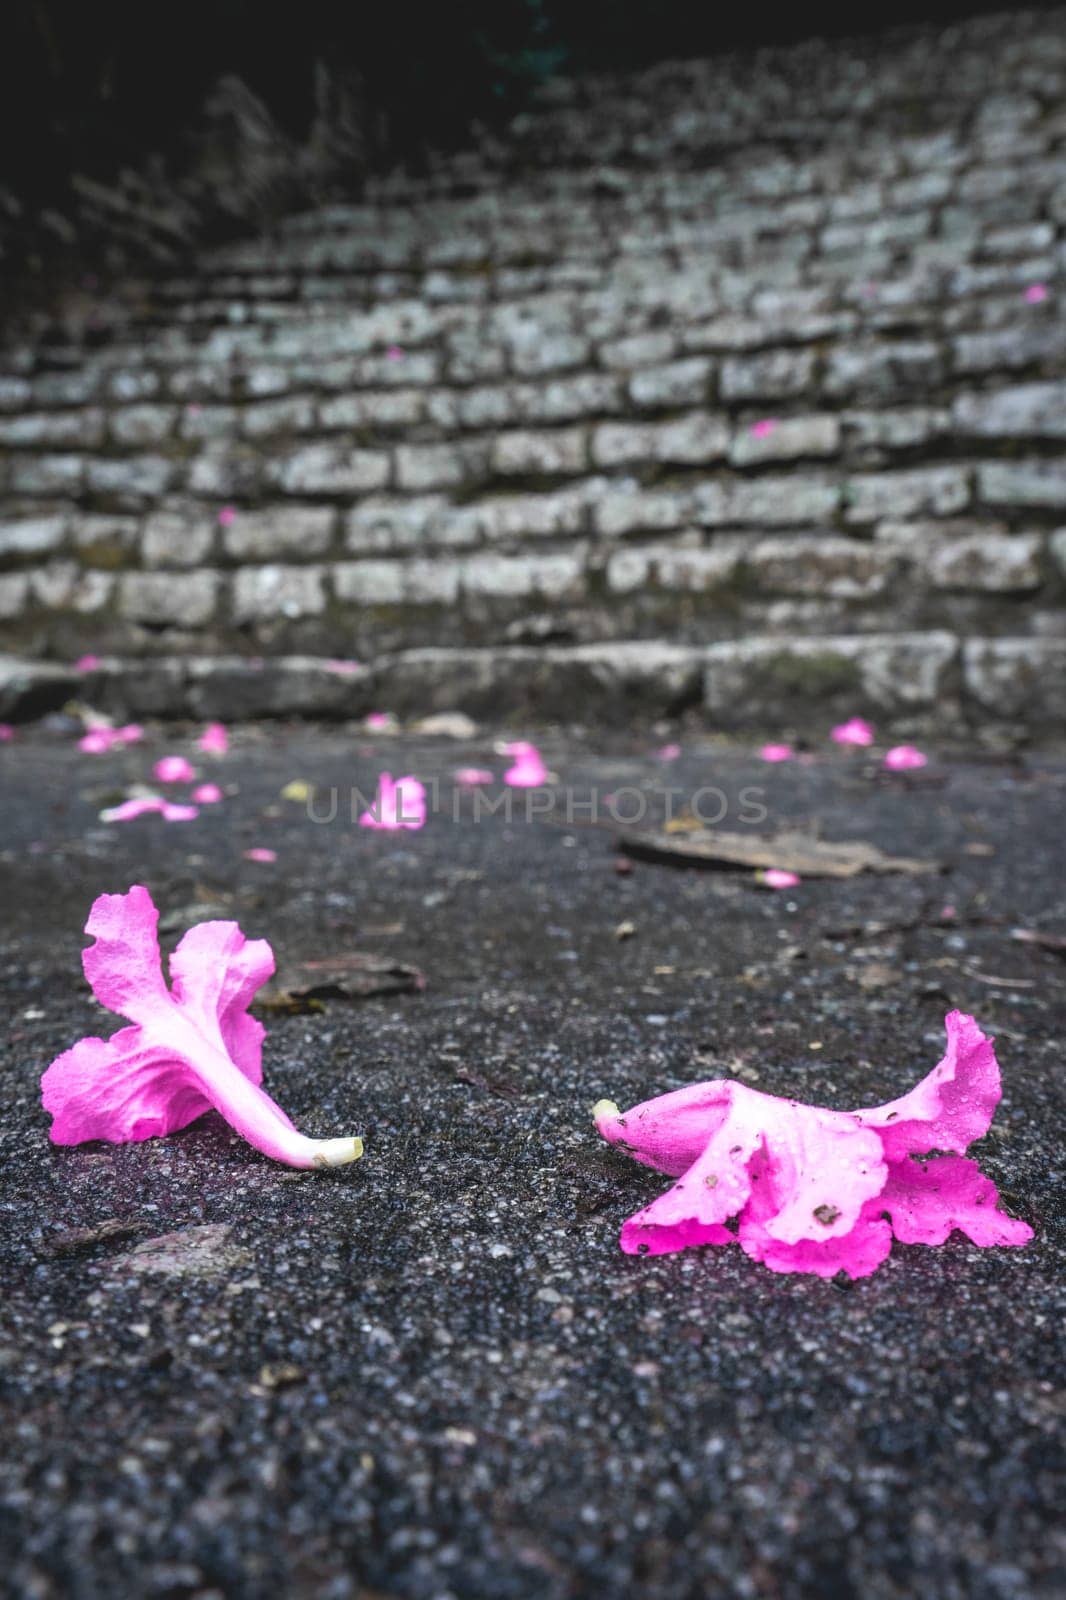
{"points": [[926, 1202], [952, 1106]]}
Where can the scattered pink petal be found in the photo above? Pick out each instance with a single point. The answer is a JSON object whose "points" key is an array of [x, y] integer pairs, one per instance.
{"points": [[814, 1190], [214, 741], [207, 794], [98, 741], [144, 805], [1036, 293], [227, 516], [529, 771], [399, 803], [777, 752], [129, 733], [473, 777], [86, 663], [191, 1047], [380, 722], [344, 669], [260, 852], [668, 752], [855, 731], [7, 732], [778, 878], [763, 428], [904, 758], [193, 410], [948, 913], [394, 353], [174, 769]]}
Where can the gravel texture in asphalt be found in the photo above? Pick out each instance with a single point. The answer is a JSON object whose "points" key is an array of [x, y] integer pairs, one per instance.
{"points": [[433, 1375]]}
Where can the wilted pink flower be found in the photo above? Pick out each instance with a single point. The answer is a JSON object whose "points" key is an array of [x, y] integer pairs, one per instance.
{"points": [[344, 669], [191, 1046], [174, 769], [778, 878], [815, 1190], [380, 721], [86, 663], [399, 803], [472, 777], [7, 732], [855, 731], [207, 794], [529, 771], [144, 805], [668, 752], [214, 741], [777, 752], [904, 757], [227, 516], [259, 852], [1036, 293], [763, 428]]}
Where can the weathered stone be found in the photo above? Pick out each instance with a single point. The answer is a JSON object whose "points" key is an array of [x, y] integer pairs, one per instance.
{"points": [[31, 536], [678, 383], [540, 454], [265, 594], [14, 593], [1019, 679], [632, 511], [869, 497], [777, 501], [83, 430], [900, 429], [1030, 411], [105, 541], [40, 475], [991, 563], [376, 408], [788, 439], [883, 371], [279, 531], [1023, 483], [794, 679], [184, 600], [140, 425], [330, 469], [844, 569], [133, 482], [773, 375], [440, 466], [637, 350], [554, 577], [178, 539], [294, 414], [370, 583]]}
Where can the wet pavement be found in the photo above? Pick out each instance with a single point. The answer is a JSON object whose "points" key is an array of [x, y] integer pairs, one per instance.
{"points": [[434, 1374]]}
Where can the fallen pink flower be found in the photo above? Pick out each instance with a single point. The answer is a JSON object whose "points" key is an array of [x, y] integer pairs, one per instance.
{"points": [[344, 669], [855, 731], [192, 1046], [529, 771], [399, 803], [144, 805], [816, 1190], [763, 428], [668, 752], [379, 721], [174, 769], [227, 516], [259, 852], [98, 741], [473, 777], [904, 758], [86, 663], [207, 794], [778, 878], [777, 752], [394, 353], [7, 732], [1036, 293], [214, 741]]}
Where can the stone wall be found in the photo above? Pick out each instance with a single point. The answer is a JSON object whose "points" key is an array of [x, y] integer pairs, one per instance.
{"points": [[761, 358]]}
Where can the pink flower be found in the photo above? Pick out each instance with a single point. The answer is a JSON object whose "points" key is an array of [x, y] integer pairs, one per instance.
{"points": [[214, 741], [815, 1190], [763, 428], [855, 731], [394, 353], [1036, 293], [7, 732], [191, 1046], [207, 794], [668, 752], [904, 757], [472, 777], [344, 669], [129, 733], [380, 721], [174, 769], [144, 805], [98, 741], [86, 663], [777, 752], [529, 771], [398, 804], [260, 852], [227, 516], [778, 878]]}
